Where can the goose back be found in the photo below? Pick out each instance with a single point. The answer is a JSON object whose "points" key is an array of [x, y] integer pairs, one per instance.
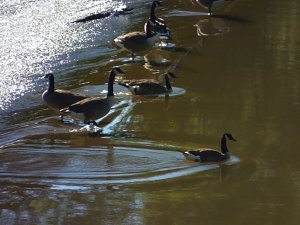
{"points": [[149, 86], [136, 41], [149, 89], [58, 99], [207, 155], [93, 108]]}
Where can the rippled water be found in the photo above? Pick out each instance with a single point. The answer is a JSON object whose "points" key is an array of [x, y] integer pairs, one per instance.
{"points": [[237, 72], [81, 168], [39, 36]]}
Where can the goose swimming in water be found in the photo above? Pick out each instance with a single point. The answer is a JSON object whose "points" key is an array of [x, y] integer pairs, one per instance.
{"points": [[149, 86], [57, 98], [137, 41], [96, 107], [210, 3], [211, 155]]}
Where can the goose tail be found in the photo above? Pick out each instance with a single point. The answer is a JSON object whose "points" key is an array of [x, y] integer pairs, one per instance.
{"points": [[119, 41], [192, 157]]}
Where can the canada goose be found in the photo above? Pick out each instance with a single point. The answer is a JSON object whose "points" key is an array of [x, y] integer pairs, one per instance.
{"points": [[209, 4], [211, 155], [96, 107], [137, 41], [149, 86], [158, 25], [58, 99]]}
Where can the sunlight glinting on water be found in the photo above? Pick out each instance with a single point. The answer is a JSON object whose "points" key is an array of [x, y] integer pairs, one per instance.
{"points": [[38, 36]]}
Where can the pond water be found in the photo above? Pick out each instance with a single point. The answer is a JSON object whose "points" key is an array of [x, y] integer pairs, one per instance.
{"points": [[238, 71]]}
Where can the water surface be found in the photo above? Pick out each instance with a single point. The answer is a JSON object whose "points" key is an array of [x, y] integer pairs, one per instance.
{"points": [[239, 73]]}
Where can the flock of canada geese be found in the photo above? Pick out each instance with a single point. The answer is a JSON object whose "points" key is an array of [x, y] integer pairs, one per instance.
{"points": [[93, 108]]}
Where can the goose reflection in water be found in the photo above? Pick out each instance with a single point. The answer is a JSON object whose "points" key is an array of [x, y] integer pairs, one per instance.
{"points": [[211, 4], [211, 26]]}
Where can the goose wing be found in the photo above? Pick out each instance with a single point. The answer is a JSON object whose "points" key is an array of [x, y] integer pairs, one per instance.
{"points": [[61, 98], [133, 40], [137, 82], [208, 155], [88, 104], [145, 87], [92, 108], [152, 88]]}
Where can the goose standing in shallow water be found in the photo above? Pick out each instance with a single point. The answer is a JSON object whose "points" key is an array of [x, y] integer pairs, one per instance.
{"points": [[96, 107], [137, 41], [157, 24], [209, 3], [149, 86], [211, 155], [57, 98]]}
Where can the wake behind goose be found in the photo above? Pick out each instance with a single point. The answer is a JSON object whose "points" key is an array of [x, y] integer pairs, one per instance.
{"points": [[95, 166]]}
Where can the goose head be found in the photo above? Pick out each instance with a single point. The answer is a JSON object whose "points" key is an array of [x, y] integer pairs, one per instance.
{"points": [[114, 71], [156, 4], [228, 137], [117, 69], [50, 77], [152, 11], [111, 79], [166, 79]]}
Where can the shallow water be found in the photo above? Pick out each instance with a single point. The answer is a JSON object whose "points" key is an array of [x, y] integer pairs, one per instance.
{"points": [[237, 72]]}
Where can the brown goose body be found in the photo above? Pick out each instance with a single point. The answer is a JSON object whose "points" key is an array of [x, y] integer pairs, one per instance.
{"points": [[95, 107], [58, 99], [149, 86], [134, 41], [92, 108], [211, 155], [137, 41]]}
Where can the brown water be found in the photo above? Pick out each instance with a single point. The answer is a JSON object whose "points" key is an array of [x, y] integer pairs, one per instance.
{"points": [[244, 81]]}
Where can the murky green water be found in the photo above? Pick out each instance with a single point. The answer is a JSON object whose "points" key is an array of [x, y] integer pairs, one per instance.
{"points": [[241, 77]]}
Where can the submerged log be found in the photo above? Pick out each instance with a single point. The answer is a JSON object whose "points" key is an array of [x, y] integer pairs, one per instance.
{"points": [[97, 16]]}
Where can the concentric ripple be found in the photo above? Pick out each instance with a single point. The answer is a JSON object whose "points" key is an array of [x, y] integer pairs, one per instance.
{"points": [[95, 166]]}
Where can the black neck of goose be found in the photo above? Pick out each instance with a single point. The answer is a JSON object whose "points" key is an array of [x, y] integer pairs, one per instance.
{"points": [[110, 88], [152, 13], [51, 84], [224, 148], [168, 84]]}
